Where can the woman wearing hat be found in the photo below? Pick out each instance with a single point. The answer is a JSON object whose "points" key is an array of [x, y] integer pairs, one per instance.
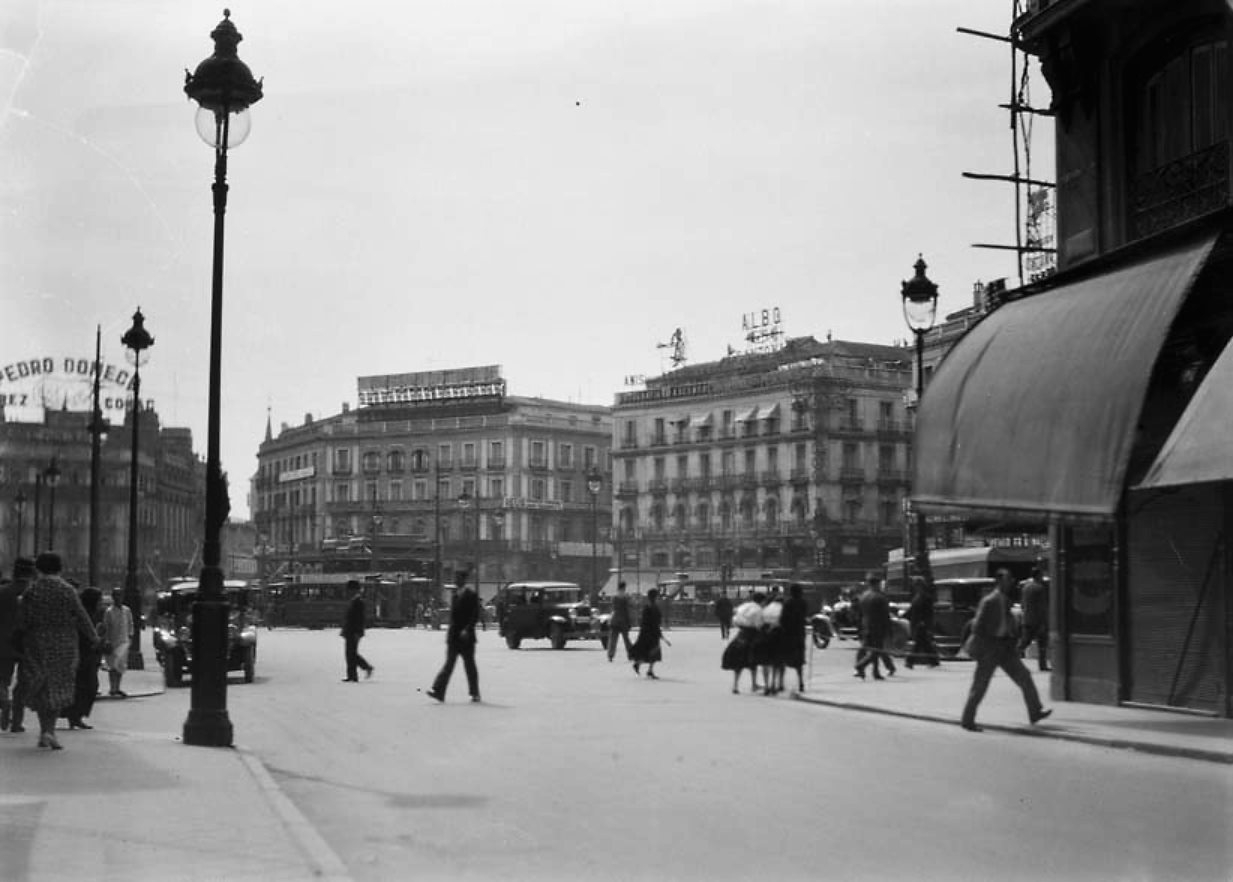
{"points": [[51, 619], [650, 631]]}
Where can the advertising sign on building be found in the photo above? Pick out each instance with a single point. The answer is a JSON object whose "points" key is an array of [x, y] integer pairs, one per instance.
{"points": [[432, 386], [62, 382]]}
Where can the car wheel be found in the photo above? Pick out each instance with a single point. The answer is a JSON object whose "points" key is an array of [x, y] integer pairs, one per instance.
{"points": [[558, 637], [512, 641], [173, 671], [250, 665]]}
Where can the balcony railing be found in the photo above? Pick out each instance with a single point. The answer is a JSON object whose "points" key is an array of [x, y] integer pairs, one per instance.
{"points": [[851, 475], [627, 488], [658, 485], [771, 478], [849, 426], [801, 476], [496, 463], [891, 428], [1184, 189]]}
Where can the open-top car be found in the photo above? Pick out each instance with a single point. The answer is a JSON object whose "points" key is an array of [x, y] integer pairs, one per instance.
{"points": [[537, 610], [173, 632]]}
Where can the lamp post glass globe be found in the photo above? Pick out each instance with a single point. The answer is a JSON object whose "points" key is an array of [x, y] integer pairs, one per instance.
{"points": [[221, 130]]}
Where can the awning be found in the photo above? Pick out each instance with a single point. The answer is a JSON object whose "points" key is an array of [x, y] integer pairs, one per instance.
{"points": [[748, 415], [1034, 410], [766, 411], [700, 419], [1199, 449]]}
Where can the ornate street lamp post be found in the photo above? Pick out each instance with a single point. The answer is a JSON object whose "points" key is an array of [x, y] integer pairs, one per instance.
{"points": [[19, 503], [498, 522], [920, 311], [51, 477], [137, 339], [224, 89], [38, 493], [594, 482]]}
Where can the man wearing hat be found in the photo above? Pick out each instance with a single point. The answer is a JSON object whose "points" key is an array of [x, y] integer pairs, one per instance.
{"points": [[460, 639], [11, 710]]}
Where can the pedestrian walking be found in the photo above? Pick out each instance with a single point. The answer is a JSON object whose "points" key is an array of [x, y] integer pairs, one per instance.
{"points": [[619, 622], [460, 640], [723, 612], [1034, 598], [12, 711], [924, 650], [650, 631], [352, 632], [738, 655], [768, 652], [792, 624], [117, 635], [89, 657], [993, 644], [875, 630], [50, 621]]}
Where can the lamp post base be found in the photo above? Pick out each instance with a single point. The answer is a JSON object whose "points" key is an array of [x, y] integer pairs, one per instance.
{"points": [[136, 661], [208, 724]]}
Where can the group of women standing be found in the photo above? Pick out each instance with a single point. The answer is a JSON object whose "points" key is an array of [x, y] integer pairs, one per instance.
{"points": [[770, 636]]}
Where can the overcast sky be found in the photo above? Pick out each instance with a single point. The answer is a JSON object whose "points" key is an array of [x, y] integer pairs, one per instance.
{"points": [[548, 185]]}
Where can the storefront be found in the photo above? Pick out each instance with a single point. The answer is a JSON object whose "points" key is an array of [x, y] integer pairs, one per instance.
{"points": [[1064, 407]]}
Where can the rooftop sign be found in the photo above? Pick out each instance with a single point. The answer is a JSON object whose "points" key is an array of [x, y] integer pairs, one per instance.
{"points": [[432, 386]]}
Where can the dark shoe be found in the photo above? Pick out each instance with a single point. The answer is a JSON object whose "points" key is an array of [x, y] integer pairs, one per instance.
{"points": [[637, 669], [434, 694], [890, 672], [351, 679], [651, 675], [1041, 714], [972, 727], [120, 694], [877, 677], [475, 699], [860, 674], [368, 671], [79, 724], [4, 717], [17, 728]]}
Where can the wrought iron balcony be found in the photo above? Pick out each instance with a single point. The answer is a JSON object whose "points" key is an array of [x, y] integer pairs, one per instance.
{"points": [[1184, 189]]}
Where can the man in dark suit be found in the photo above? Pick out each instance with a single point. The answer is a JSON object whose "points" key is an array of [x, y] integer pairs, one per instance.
{"points": [[875, 629], [619, 622], [1034, 597], [352, 631], [723, 612], [460, 639], [12, 711], [992, 645]]}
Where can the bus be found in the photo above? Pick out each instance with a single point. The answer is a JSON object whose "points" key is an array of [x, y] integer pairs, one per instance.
{"points": [[319, 600], [978, 562]]}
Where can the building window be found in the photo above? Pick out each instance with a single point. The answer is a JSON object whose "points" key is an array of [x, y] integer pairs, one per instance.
{"points": [[772, 514], [851, 455], [496, 454], [800, 459], [469, 459], [886, 457], [588, 457], [342, 492], [886, 412], [852, 510], [659, 468], [659, 435], [396, 491], [889, 509], [682, 466], [727, 463], [678, 516], [725, 515], [395, 461], [372, 462], [443, 489], [630, 471], [566, 490], [704, 464], [1183, 107], [342, 460], [565, 456], [538, 489], [370, 491], [772, 460], [445, 457], [703, 515], [747, 512], [631, 434], [657, 516], [538, 458], [419, 489], [496, 487], [419, 460]]}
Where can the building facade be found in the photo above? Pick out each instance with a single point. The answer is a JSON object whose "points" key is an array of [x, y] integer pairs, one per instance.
{"points": [[435, 471], [1104, 415], [170, 478], [793, 462]]}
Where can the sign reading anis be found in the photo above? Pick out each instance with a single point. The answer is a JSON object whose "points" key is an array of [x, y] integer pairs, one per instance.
{"points": [[31, 385], [432, 386]]}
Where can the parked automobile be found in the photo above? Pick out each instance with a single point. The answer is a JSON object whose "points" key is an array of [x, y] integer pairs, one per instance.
{"points": [[173, 635], [538, 610], [954, 606]]}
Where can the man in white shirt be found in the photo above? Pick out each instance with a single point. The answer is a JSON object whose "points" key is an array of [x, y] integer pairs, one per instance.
{"points": [[118, 633]]}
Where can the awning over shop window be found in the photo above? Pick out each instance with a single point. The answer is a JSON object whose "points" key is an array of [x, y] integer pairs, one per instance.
{"points": [[1034, 410], [748, 415], [1200, 448], [699, 419], [769, 412]]}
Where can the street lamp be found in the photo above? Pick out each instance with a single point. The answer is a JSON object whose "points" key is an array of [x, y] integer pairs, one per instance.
{"points": [[464, 503], [38, 493], [224, 89], [498, 521], [920, 311], [51, 477], [98, 430], [19, 503], [594, 482], [137, 339]]}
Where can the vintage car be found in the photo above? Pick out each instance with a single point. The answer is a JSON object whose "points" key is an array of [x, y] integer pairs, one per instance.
{"points": [[557, 611], [172, 638], [954, 606]]}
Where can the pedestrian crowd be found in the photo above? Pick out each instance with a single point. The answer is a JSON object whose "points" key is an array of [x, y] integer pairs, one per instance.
{"points": [[54, 636], [770, 637]]}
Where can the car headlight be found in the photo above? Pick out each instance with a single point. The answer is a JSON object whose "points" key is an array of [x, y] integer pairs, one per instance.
{"points": [[167, 638], [248, 635]]}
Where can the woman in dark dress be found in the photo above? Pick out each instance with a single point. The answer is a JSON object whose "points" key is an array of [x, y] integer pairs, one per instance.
{"points": [[792, 634], [650, 630], [89, 655]]}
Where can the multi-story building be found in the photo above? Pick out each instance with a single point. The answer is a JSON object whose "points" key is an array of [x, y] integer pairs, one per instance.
{"points": [[794, 461], [1095, 401], [170, 478], [438, 468]]}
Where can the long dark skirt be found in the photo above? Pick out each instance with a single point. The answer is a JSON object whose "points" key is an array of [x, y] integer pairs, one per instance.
{"points": [[765, 649], [738, 653], [85, 687], [646, 649]]}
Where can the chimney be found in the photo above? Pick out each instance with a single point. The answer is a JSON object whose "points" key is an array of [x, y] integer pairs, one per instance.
{"points": [[346, 407], [308, 419]]}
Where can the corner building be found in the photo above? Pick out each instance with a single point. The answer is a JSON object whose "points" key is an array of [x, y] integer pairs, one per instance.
{"points": [[1105, 414], [792, 463], [438, 468]]}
